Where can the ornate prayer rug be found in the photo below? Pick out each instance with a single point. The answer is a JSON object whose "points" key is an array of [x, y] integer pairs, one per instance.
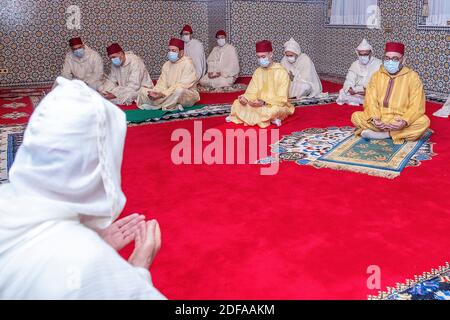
{"points": [[338, 148], [10, 139], [434, 285], [237, 87]]}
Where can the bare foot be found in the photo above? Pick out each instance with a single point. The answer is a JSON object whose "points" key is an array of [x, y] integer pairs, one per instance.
{"points": [[122, 231], [147, 244]]}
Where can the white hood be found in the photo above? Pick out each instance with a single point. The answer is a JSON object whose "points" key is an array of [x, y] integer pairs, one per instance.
{"points": [[68, 166]]}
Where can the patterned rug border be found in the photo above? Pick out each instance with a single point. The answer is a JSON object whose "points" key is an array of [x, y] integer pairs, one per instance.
{"points": [[173, 120], [220, 109], [237, 87], [5, 155], [410, 283]]}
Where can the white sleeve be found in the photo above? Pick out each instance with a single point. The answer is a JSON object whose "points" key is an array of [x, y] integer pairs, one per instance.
{"points": [[67, 70], [350, 80]]}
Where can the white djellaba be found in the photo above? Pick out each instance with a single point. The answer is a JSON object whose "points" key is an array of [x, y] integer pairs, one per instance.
{"points": [[444, 112], [65, 181], [358, 77], [306, 81]]}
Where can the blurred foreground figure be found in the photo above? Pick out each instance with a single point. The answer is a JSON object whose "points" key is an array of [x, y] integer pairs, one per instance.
{"points": [[57, 239]]}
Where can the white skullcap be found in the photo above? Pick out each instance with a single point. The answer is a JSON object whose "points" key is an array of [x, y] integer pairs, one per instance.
{"points": [[292, 46], [364, 45]]}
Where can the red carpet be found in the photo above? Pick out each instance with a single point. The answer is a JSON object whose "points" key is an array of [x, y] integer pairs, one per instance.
{"points": [[330, 87], [230, 233], [16, 111]]}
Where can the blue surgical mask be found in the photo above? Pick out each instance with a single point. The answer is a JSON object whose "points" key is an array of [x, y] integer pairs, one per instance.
{"points": [[291, 59], [79, 53], [392, 66], [364, 60], [264, 62], [221, 42], [172, 56], [116, 61]]}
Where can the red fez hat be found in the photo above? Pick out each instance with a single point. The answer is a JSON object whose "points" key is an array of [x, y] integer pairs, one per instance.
{"points": [[395, 47], [75, 41], [221, 33], [264, 46], [114, 48], [187, 28], [177, 43]]}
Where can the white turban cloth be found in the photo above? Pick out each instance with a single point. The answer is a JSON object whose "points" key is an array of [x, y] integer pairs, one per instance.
{"points": [[292, 46], [68, 166], [364, 46]]}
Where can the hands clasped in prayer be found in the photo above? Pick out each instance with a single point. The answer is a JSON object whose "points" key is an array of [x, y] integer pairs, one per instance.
{"points": [[147, 244], [107, 95], [399, 124], [147, 237], [353, 92], [153, 95], [213, 75], [255, 104], [122, 231]]}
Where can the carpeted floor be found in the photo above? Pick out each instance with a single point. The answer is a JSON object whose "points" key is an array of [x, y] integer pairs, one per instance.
{"points": [[230, 233]]}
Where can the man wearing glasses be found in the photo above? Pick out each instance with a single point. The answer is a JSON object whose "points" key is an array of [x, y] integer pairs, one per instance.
{"points": [[395, 101]]}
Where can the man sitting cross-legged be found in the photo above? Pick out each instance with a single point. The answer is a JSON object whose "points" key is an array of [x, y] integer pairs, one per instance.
{"points": [[395, 101], [223, 64], [176, 87], [266, 99]]}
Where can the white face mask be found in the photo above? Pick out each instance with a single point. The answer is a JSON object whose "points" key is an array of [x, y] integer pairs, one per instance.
{"points": [[291, 59], [364, 59], [186, 38], [221, 42]]}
